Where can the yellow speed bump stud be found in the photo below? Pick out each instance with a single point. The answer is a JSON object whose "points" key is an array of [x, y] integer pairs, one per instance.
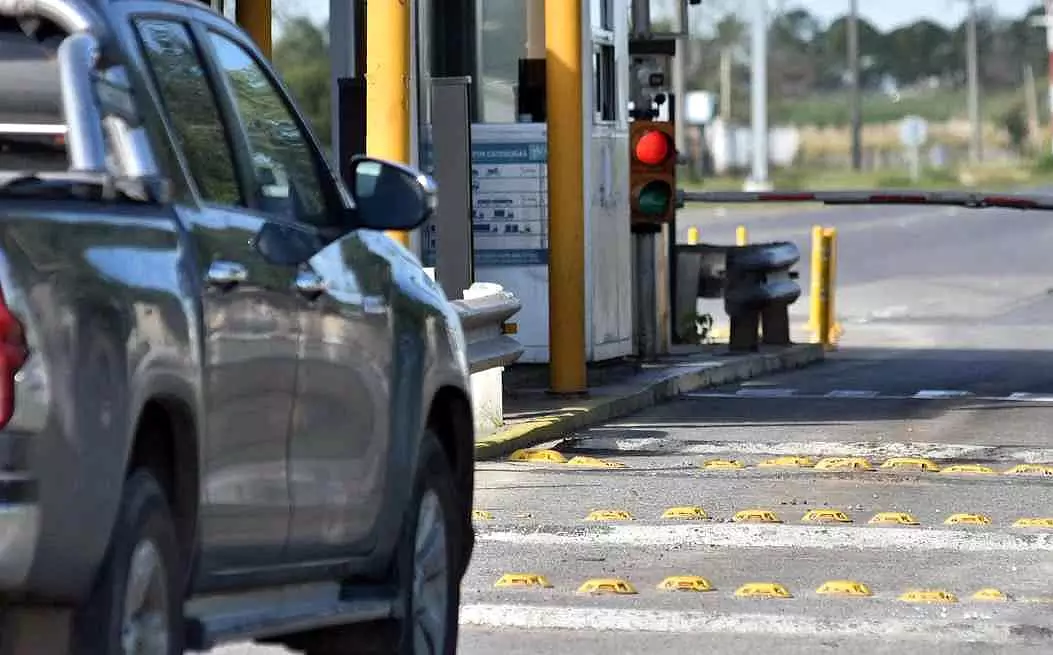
{"points": [[893, 518], [967, 519], [609, 515], [843, 588], [1034, 522], [481, 515], [689, 513], [911, 463], [685, 583], [1030, 469], [756, 516], [789, 461], [763, 590], [928, 596], [990, 593], [968, 469], [843, 464], [721, 464], [826, 516], [522, 580], [527, 455], [606, 586], [596, 462]]}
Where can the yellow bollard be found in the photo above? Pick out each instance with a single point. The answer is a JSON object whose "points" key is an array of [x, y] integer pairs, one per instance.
{"points": [[816, 286], [834, 326], [692, 236], [740, 235]]}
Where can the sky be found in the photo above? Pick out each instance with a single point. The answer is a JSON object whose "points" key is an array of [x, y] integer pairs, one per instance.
{"points": [[893, 13], [883, 13]]}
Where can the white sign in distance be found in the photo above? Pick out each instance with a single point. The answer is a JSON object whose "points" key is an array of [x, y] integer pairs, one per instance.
{"points": [[699, 107], [913, 131]]}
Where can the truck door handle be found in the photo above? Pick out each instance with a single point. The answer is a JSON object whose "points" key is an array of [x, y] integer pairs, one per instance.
{"points": [[226, 274], [310, 284]]}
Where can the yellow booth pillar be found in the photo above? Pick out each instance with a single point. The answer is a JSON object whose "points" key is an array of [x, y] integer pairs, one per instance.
{"points": [[388, 43], [255, 18]]}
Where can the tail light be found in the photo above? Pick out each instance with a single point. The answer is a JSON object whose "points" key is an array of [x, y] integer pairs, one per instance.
{"points": [[13, 354]]}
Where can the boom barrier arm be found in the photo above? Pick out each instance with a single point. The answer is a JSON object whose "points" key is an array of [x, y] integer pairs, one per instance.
{"points": [[967, 199]]}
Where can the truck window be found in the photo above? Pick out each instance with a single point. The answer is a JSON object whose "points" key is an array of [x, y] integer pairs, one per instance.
{"points": [[32, 125], [286, 166], [190, 104]]}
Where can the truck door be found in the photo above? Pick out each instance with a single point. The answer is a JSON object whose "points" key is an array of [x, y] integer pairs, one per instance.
{"points": [[250, 314]]}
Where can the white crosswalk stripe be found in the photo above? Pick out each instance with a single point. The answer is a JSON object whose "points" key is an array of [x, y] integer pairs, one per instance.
{"points": [[872, 394], [548, 617]]}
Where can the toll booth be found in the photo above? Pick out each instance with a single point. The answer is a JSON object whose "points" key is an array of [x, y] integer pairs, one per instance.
{"points": [[499, 45], [510, 217]]}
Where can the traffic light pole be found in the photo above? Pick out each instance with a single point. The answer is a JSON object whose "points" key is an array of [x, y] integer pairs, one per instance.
{"points": [[645, 244]]}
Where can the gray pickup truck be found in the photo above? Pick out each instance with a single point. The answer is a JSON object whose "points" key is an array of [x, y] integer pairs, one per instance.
{"points": [[231, 407]]}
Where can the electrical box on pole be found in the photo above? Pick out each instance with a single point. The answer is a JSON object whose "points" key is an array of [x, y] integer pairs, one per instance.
{"points": [[652, 174]]}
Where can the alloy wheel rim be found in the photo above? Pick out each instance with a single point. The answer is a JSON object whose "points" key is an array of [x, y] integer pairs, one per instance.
{"points": [[144, 625], [430, 578]]}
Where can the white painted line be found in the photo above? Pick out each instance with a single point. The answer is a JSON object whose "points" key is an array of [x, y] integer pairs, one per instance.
{"points": [[1031, 397], [979, 627], [782, 536], [761, 392], [853, 393], [942, 393], [870, 449]]}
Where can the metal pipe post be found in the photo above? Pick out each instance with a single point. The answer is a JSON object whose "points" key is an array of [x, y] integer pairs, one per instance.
{"points": [[387, 85], [759, 94], [646, 295], [857, 104], [566, 199]]}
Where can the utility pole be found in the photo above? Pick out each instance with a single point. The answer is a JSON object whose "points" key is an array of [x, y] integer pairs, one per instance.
{"points": [[725, 83], [1049, 50], [857, 104], [759, 97], [976, 143]]}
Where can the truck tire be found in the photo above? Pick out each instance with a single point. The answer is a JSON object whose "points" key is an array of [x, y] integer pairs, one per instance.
{"points": [[136, 605], [430, 526]]}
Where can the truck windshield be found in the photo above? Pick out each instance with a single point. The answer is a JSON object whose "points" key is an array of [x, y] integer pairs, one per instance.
{"points": [[32, 127]]}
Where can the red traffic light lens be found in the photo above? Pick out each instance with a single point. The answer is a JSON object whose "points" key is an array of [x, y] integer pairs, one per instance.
{"points": [[652, 148]]}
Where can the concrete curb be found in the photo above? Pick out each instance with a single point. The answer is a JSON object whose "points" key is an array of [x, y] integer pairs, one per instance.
{"points": [[674, 381]]}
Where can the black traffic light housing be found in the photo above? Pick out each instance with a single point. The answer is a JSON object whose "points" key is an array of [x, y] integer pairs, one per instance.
{"points": [[652, 174]]}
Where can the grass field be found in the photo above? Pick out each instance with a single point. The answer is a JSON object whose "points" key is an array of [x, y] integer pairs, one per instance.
{"points": [[937, 105]]}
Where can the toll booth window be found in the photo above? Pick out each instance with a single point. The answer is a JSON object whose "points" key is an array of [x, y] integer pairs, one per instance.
{"points": [[605, 83], [602, 14], [502, 41]]}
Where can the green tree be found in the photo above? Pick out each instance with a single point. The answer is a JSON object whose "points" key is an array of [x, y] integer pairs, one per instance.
{"points": [[301, 54]]}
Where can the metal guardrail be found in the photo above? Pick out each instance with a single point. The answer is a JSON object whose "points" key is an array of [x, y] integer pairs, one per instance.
{"points": [[483, 319]]}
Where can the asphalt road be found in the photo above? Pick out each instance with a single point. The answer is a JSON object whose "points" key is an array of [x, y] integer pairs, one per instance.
{"points": [[947, 317]]}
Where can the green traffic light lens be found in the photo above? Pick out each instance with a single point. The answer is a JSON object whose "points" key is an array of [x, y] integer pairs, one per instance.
{"points": [[654, 197]]}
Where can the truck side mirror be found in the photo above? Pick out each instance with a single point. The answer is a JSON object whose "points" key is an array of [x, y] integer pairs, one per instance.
{"points": [[390, 196]]}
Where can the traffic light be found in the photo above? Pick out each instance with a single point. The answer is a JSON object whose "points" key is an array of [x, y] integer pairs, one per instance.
{"points": [[652, 174]]}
